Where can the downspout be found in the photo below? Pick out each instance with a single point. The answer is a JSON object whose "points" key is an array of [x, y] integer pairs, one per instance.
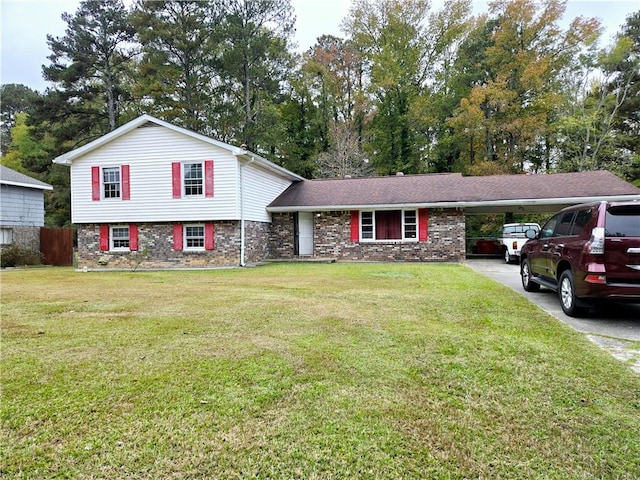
{"points": [[242, 229]]}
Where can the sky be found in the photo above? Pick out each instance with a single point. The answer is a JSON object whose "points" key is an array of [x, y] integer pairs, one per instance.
{"points": [[26, 23]]}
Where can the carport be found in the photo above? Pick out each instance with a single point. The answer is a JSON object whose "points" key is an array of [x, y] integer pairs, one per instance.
{"points": [[543, 193], [540, 193]]}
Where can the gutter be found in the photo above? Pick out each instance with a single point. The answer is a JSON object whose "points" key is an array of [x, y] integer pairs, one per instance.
{"points": [[460, 204], [245, 157], [241, 189], [254, 157], [45, 186]]}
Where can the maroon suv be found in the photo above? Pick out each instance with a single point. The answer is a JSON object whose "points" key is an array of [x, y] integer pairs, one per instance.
{"points": [[586, 253]]}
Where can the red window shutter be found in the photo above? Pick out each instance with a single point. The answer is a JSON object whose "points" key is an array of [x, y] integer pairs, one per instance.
{"points": [[133, 237], [177, 237], [95, 184], [176, 180], [355, 226], [104, 238], [208, 178], [126, 186], [423, 225], [208, 236]]}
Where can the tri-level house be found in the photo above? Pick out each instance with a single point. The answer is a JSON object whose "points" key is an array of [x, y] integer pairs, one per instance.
{"points": [[156, 192]]}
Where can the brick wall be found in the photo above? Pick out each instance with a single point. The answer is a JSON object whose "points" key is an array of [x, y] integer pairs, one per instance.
{"points": [[155, 242], [26, 237], [256, 245], [281, 237], [332, 239]]}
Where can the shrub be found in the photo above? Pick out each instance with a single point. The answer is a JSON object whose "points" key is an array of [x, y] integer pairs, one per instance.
{"points": [[15, 256]]}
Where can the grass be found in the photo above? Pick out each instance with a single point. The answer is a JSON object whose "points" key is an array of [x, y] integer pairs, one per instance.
{"points": [[303, 371]]}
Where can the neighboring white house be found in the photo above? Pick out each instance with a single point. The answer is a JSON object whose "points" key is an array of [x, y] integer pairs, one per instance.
{"points": [[21, 209], [156, 191]]}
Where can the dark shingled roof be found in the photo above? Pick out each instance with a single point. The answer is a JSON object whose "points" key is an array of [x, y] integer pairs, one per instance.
{"points": [[445, 188]]}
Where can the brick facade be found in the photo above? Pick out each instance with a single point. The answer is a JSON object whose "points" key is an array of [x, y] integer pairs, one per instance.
{"points": [[155, 242], [24, 237], [256, 245], [281, 238], [332, 239]]}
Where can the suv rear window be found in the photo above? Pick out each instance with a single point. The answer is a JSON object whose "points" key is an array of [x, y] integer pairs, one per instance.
{"points": [[582, 218], [623, 221]]}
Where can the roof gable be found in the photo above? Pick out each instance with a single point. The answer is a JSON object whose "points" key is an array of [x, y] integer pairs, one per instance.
{"points": [[140, 122], [145, 121]]}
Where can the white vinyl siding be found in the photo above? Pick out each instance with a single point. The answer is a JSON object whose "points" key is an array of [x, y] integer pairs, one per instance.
{"points": [[259, 189], [150, 152]]}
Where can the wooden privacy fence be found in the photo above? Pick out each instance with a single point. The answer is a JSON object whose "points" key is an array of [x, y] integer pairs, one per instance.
{"points": [[56, 246]]}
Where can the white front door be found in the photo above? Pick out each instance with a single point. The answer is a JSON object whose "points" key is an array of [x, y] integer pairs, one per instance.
{"points": [[305, 233]]}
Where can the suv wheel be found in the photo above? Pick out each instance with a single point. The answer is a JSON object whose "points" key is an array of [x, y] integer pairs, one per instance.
{"points": [[567, 294], [525, 275], [507, 258]]}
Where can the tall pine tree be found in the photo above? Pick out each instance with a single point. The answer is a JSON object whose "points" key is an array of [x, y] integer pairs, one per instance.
{"points": [[88, 67], [178, 72]]}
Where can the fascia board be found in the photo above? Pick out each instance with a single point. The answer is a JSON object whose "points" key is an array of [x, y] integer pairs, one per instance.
{"points": [[69, 157], [27, 185], [248, 157], [462, 204]]}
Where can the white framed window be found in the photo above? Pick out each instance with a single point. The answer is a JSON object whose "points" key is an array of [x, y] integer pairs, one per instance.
{"points": [[120, 239], [367, 226], [194, 237], [193, 179], [410, 224], [6, 236], [111, 182], [385, 225]]}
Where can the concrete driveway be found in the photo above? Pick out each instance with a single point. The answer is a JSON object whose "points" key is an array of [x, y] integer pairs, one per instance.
{"points": [[614, 327]]}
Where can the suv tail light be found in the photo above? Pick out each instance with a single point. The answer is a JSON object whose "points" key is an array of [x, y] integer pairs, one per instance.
{"points": [[595, 245]]}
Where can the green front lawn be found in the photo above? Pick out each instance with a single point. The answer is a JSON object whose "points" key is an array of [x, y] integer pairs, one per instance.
{"points": [[303, 371]]}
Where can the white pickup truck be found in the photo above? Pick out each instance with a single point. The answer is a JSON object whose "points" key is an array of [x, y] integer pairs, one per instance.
{"points": [[513, 237]]}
